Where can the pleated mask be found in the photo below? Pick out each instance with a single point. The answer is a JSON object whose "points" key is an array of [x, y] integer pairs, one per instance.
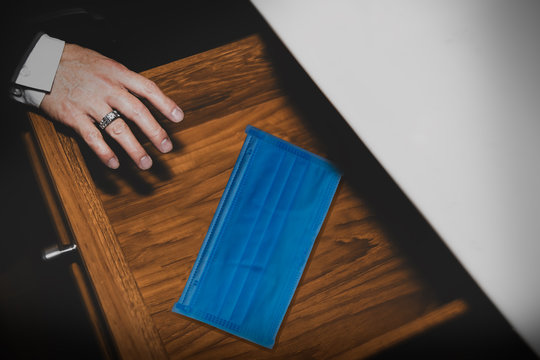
{"points": [[260, 238]]}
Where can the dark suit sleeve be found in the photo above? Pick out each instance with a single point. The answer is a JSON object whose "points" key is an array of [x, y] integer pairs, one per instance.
{"points": [[20, 52], [22, 26], [20, 37]]}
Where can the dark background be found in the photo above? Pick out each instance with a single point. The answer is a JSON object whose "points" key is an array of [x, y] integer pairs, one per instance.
{"points": [[41, 314]]}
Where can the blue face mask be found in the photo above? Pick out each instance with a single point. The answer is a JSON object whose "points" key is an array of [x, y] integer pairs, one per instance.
{"points": [[260, 238]]}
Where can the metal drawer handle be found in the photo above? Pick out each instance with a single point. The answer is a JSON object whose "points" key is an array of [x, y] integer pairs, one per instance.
{"points": [[55, 251]]}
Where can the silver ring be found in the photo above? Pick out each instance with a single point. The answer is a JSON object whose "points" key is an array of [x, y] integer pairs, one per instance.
{"points": [[109, 118]]}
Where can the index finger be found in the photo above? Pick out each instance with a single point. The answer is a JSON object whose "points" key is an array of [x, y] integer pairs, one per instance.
{"points": [[148, 89]]}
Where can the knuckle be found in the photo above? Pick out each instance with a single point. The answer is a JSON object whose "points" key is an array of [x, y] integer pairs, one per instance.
{"points": [[113, 93], [158, 132], [149, 87], [118, 127], [92, 136], [139, 110], [112, 64], [103, 151]]}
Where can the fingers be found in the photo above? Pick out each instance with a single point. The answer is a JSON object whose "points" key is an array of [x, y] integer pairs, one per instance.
{"points": [[146, 88], [91, 85], [92, 136], [133, 109], [121, 133]]}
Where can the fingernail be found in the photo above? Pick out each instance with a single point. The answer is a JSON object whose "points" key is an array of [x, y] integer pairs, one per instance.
{"points": [[177, 114], [145, 162], [166, 145], [113, 163]]}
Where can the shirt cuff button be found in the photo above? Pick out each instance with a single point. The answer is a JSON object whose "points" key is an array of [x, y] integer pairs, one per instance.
{"points": [[16, 91]]}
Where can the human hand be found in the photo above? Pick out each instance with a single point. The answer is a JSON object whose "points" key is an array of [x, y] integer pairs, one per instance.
{"points": [[89, 85]]}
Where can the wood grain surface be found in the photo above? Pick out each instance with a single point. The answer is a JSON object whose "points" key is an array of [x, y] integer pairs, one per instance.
{"points": [[133, 329], [359, 294]]}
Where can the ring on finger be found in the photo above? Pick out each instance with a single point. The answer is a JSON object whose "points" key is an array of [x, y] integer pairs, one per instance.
{"points": [[108, 119]]}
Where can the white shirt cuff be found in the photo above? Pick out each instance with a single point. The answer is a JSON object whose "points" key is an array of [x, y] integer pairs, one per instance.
{"points": [[40, 67], [28, 96], [37, 74]]}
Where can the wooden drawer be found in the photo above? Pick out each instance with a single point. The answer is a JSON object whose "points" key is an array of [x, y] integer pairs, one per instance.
{"points": [[138, 233], [65, 239]]}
